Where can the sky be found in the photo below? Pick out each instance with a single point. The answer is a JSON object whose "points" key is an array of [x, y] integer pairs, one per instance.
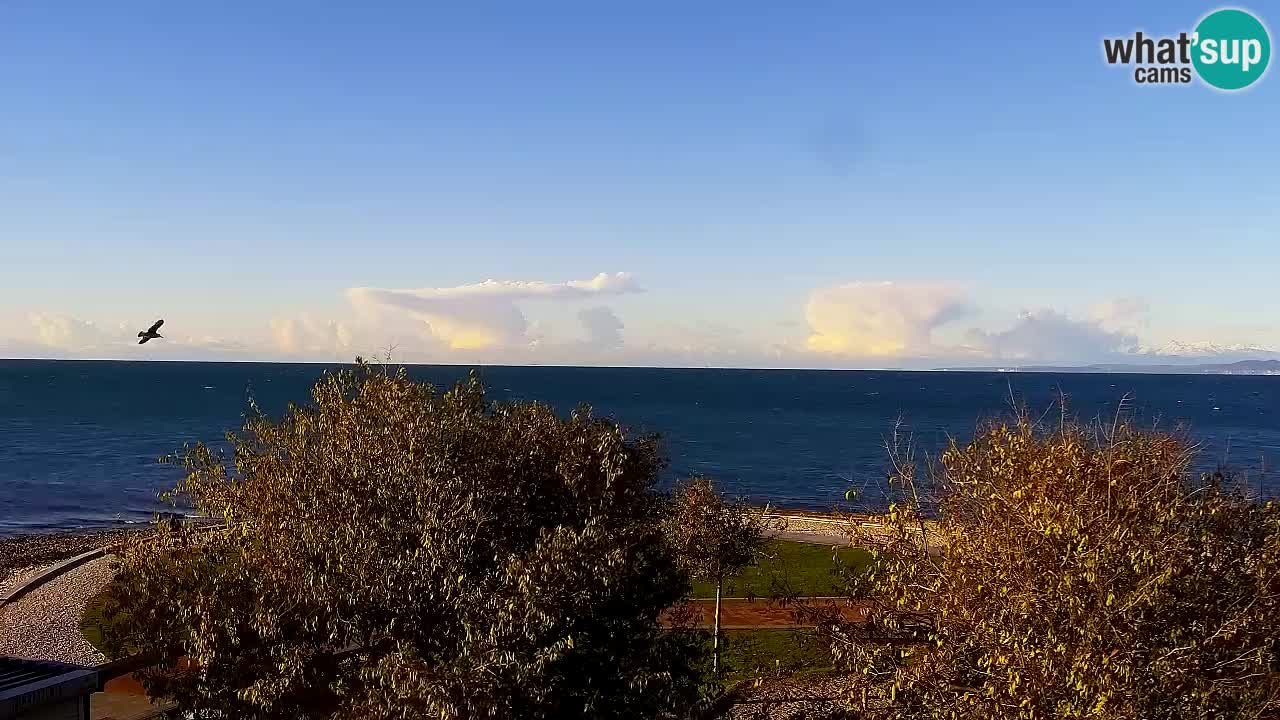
{"points": [[807, 184]]}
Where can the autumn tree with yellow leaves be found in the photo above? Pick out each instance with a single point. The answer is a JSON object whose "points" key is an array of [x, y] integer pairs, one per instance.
{"points": [[1074, 573]]}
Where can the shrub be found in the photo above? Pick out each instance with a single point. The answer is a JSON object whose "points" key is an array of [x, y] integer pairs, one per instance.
{"points": [[394, 552], [1075, 574]]}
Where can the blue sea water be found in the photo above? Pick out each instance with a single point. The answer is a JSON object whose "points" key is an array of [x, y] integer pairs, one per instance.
{"points": [[79, 441]]}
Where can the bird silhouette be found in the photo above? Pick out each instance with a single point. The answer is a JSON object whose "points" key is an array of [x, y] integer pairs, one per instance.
{"points": [[150, 332]]}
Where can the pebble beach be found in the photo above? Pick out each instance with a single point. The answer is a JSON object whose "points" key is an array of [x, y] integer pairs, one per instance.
{"points": [[44, 624], [19, 554]]}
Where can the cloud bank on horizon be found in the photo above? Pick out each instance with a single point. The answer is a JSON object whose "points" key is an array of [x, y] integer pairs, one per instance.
{"points": [[881, 324], [883, 319], [485, 315]]}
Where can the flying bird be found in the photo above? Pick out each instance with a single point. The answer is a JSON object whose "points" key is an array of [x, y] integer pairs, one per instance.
{"points": [[151, 333]]}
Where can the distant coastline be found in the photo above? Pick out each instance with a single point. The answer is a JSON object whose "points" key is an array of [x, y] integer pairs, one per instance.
{"points": [[1243, 367]]}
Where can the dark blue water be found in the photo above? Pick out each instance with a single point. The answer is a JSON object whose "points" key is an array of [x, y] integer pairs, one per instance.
{"points": [[79, 441]]}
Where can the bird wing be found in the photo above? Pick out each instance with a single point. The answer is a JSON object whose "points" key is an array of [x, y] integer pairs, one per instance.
{"points": [[156, 326], [143, 340]]}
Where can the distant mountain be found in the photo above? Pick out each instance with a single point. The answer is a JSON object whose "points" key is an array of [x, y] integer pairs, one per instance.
{"points": [[1240, 367], [1178, 352]]}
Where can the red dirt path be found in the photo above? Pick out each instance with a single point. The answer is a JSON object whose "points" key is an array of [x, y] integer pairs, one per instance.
{"points": [[741, 614]]}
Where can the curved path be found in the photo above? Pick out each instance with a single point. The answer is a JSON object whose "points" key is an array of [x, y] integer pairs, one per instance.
{"points": [[44, 624]]}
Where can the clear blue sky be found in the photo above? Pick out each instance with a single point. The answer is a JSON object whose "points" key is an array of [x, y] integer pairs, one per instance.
{"points": [[759, 169]]}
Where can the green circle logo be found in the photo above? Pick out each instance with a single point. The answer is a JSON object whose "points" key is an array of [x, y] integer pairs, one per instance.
{"points": [[1231, 49]]}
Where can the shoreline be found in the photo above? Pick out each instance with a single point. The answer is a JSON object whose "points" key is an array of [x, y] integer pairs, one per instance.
{"points": [[22, 551], [19, 552], [44, 547]]}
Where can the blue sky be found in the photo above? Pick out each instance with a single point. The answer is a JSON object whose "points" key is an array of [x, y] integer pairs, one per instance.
{"points": [[804, 184]]}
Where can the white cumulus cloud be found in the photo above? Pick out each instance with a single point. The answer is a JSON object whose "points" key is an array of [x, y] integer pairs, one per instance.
{"points": [[1050, 336], [484, 315], [65, 332], [603, 327], [305, 335], [879, 319], [1124, 313]]}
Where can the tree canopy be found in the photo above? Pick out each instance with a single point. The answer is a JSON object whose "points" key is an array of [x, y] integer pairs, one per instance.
{"points": [[395, 552], [1076, 573], [714, 536]]}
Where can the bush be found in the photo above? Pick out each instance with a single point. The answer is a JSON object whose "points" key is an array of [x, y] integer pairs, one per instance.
{"points": [[393, 552], [1074, 574]]}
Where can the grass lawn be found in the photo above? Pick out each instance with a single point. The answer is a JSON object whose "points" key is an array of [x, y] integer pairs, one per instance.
{"points": [[787, 567], [92, 620], [784, 566], [745, 654], [750, 653]]}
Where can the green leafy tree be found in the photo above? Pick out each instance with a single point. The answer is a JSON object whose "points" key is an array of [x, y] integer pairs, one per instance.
{"points": [[394, 552], [1069, 574], [714, 537]]}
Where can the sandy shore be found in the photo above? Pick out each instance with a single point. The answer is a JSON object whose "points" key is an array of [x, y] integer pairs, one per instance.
{"points": [[808, 522]]}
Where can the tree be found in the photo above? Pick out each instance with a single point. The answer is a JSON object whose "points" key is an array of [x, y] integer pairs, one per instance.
{"points": [[1074, 573], [714, 537], [394, 552]]}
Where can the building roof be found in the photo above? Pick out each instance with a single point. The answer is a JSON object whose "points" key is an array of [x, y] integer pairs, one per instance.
{"points": [[25, 684]]}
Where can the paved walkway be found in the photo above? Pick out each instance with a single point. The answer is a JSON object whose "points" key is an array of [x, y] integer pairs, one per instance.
{"points": [[811, 538], [44, 624]]}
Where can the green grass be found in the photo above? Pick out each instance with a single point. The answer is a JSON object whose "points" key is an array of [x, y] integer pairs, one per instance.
{"points": [[751, 653], [794, 568], [93, 619], [784, 568], [745, 654]]}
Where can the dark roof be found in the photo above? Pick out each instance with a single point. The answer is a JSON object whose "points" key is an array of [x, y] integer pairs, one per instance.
{"points": [[16, 672], [27, 683]]}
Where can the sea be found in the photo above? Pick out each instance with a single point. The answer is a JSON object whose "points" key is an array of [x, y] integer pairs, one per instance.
{"points": [[80, 441]]}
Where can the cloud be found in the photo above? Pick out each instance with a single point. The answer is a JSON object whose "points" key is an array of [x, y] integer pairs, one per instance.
{"points": [[210, 345], [483, 316], [55, 335], [886, 320], [604, 329], [601, 284], [879, 319], [849, 325], [305, 335], [1124, 313], [66, 333], [1050, 336]]}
